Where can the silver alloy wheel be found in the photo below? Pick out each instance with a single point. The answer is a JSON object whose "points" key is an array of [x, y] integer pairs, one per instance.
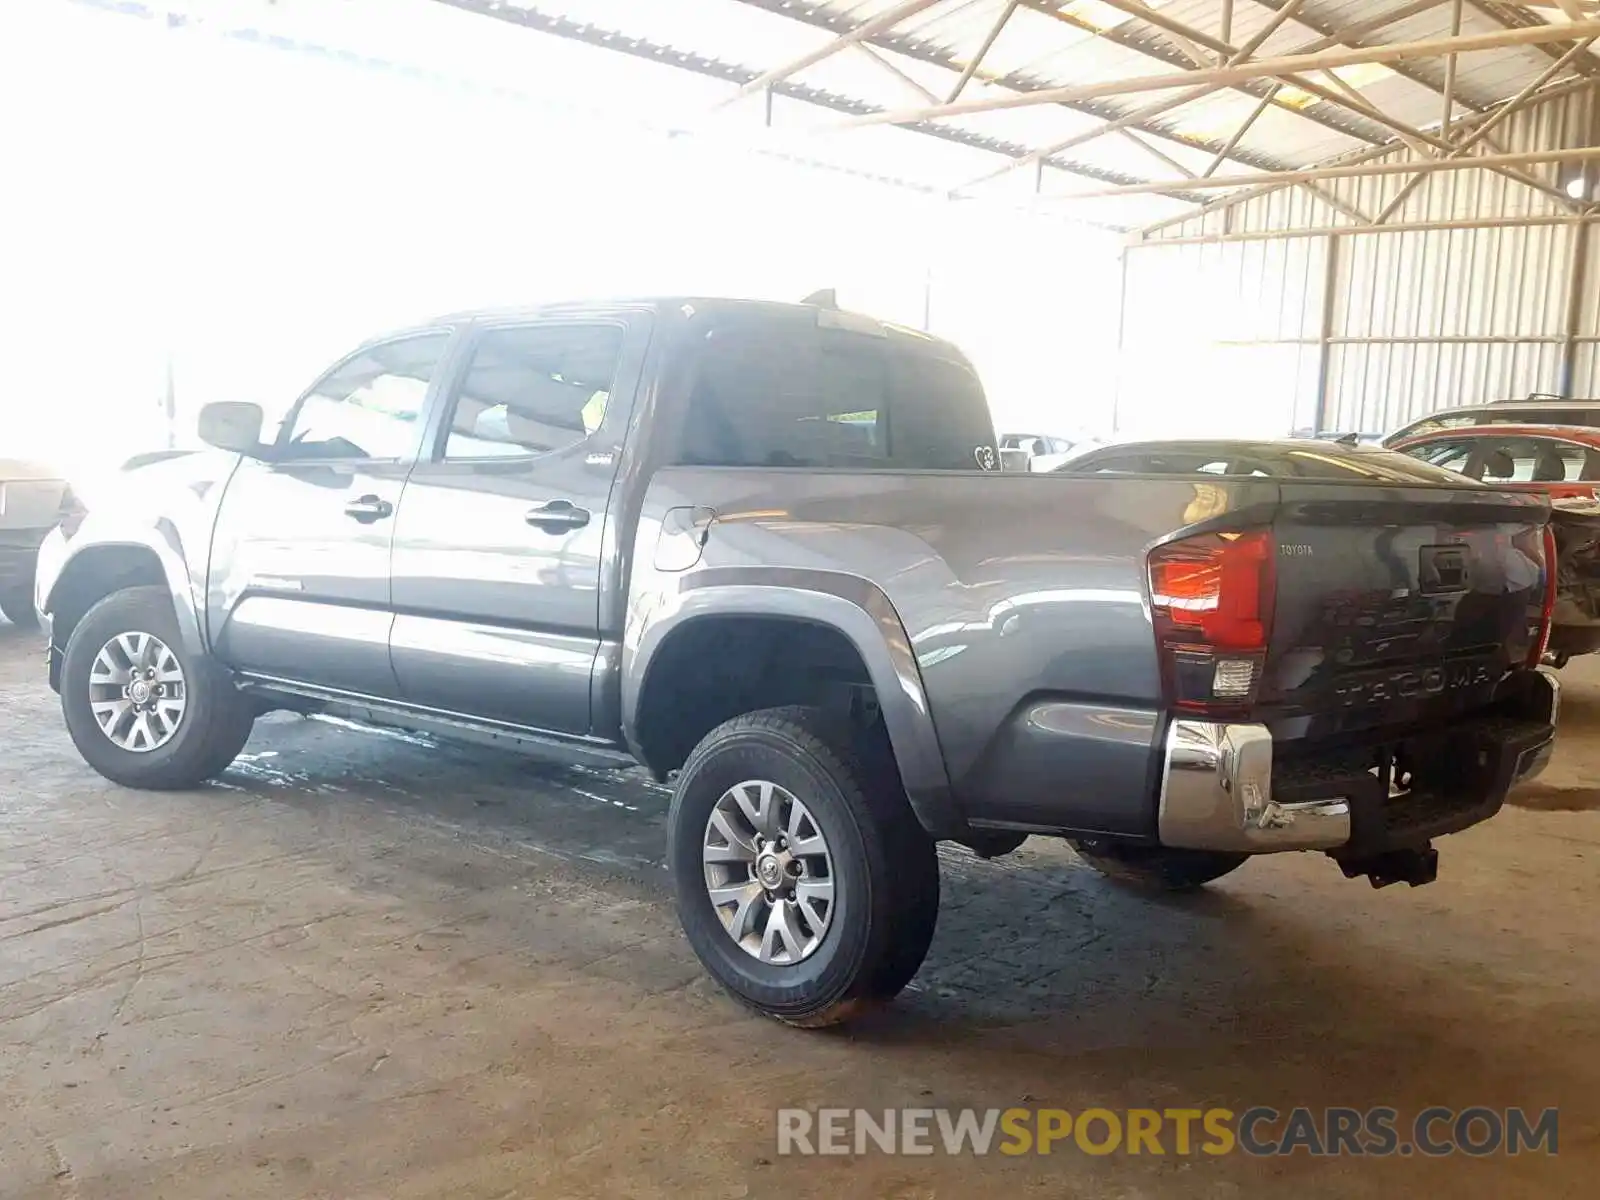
{"points": [[137, 692], [768, 872]]}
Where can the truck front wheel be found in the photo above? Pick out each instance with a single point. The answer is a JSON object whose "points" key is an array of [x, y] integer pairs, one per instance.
{"points": [[144, 710], [1164, 868], [804, 882]]}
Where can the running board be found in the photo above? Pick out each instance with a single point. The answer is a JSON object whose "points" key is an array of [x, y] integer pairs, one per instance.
{"points": [[365, 710]]}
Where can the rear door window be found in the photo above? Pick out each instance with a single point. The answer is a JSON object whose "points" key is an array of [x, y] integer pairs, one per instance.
{"points": [[533, 390], [1530, 460], [781, 391]]}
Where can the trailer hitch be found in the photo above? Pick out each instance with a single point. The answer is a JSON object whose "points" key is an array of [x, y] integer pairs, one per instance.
{"points": [[1415, 866]]}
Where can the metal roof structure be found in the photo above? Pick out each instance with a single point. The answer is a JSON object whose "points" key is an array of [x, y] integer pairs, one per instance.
{"points": [[1135, 111]]}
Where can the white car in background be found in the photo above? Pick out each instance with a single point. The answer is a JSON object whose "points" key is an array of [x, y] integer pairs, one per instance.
{"points": [[32, 499], [1046, 452]]}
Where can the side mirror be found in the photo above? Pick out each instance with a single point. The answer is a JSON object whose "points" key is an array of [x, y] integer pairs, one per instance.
{"points": [[231, 425]]}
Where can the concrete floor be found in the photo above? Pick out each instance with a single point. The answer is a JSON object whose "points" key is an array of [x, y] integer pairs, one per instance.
{"points": [[365, 965]]}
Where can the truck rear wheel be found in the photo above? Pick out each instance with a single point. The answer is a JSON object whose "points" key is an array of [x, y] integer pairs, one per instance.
{"points": [[1164, 868], [142, 709], [804, 883]]}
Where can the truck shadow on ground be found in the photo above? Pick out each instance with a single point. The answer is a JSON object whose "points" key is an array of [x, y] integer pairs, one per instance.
{"points": [[1261, 989]]}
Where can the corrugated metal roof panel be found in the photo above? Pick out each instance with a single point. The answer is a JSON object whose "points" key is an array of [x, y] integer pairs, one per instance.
{"points": [[1052, 43]]}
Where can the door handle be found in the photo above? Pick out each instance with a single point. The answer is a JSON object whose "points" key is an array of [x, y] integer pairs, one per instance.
{"points": [[557, 516], [368, 508]]}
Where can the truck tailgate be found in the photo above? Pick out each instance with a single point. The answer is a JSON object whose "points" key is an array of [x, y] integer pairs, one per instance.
{"points": [[1398, 605]]}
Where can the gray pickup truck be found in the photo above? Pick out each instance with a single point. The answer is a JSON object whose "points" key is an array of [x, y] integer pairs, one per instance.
{"points": [[762, 549]]}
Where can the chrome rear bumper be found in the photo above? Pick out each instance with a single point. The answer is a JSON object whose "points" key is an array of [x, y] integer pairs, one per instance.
{"points": [[1217, 782], [1216, 794]]}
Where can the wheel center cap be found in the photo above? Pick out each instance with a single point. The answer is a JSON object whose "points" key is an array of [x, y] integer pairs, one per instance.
{"points": [[769, 870], [139, 691]]}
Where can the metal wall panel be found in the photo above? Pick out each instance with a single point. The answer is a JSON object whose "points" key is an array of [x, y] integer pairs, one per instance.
{"points": [[1481, 283], [1376, 388], [1398, 324], [1586, 373]]}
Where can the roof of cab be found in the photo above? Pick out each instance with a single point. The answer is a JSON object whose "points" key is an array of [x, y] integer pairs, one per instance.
{"points": [[684, 305]]}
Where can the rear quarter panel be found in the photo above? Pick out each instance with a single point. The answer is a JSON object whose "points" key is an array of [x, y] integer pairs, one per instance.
{"points": [[1004, 588]]}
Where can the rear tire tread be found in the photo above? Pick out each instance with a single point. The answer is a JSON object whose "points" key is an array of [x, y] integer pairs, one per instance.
{"points": [[902, 865]]}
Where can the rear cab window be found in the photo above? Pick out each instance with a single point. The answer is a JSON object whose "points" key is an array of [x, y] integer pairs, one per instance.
{"points": [[792, 389]]}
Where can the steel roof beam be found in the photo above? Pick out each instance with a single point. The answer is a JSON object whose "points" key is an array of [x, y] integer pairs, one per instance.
{"points": [[1345, 171], [1260, 68], [868, 52], [1138, 116], [1351, 38], [1318, 231], [698, 64], [976, 60], [1337, 120], [1511, 17], [885, 20], [1481, 134], [1256, 191], [1343, 95], [898, 43], [1351, 98], [1157, 154]]}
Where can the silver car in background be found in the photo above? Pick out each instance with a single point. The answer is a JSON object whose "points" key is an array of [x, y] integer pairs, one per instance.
{"points": [[32, 497]]}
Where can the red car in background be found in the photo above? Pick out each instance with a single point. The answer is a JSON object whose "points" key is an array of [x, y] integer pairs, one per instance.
{"points": [[1563, 462]]}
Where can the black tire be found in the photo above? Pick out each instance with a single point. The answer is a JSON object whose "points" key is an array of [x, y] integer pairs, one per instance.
{"points": [[17, 605], [916, 865], [885, 868], [216, 720], [1161, 868]]}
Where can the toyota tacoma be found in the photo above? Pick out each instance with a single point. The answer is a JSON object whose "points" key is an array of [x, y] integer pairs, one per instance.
{"points": [[764, 551]]}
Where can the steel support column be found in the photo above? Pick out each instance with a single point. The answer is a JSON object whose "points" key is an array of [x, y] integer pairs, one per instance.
{"points": [[1330, 294], [1577, 281]]}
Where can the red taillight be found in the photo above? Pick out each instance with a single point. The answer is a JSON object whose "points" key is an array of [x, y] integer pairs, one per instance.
{"points": [[1211, 597], [1541, 637]]}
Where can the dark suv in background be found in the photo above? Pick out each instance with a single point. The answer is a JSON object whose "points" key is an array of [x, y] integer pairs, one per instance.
{"points": [[1535, 410]]}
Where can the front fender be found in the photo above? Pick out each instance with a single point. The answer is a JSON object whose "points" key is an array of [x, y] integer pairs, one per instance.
{"points": [[66, 565], [855, 607]]}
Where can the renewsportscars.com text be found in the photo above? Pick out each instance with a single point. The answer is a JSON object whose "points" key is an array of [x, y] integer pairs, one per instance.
{"points": [[1259, 1131]]}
